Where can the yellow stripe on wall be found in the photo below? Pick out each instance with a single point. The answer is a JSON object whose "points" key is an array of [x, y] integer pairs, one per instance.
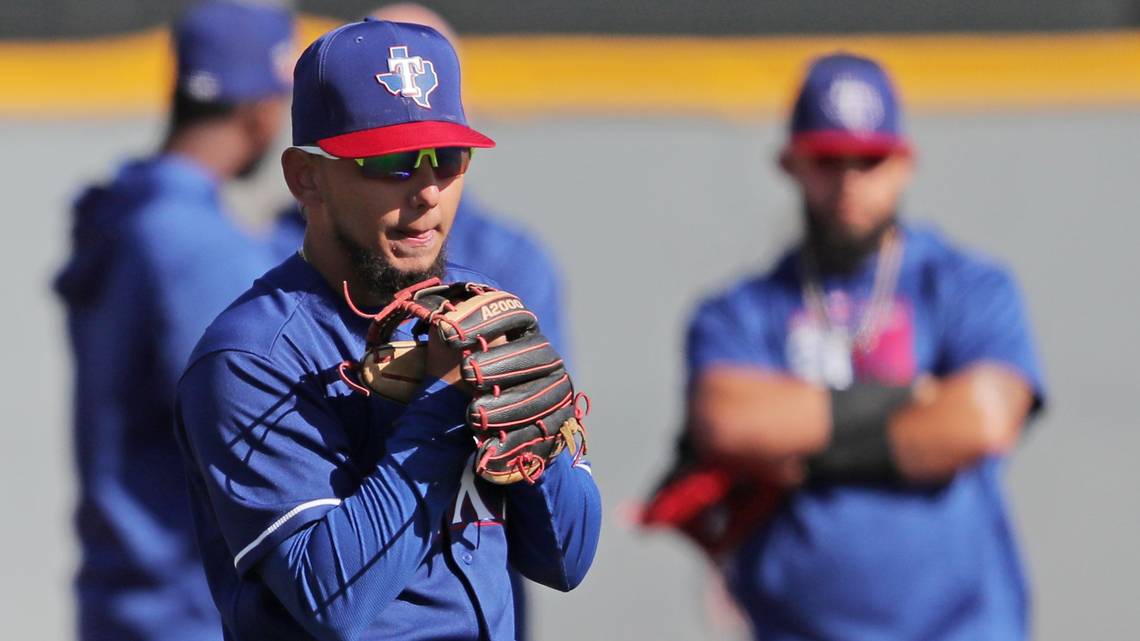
{"points": [[540, 75]]}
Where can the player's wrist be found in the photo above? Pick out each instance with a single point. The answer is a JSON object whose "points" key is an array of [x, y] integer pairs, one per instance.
{"points": [[434, 420], [860, 448]]}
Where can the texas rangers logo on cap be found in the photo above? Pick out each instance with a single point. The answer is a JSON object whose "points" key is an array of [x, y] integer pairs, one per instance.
{"points": [[409, 76], [414, 103], [846, 106], [854, 104]]}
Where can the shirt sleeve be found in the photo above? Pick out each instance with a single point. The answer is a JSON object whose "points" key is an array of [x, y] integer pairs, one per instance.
{"points": [[985, 321], [333, 543], [554, 525], [723, 332], [196, 279]]}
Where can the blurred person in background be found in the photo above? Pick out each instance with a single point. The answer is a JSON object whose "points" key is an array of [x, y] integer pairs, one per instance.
{"points": [[850, 412], [155, 257]]}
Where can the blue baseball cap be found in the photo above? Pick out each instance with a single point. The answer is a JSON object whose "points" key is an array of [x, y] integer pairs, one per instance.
{"points": [[846, 106], [234, 52], [376, 87]]}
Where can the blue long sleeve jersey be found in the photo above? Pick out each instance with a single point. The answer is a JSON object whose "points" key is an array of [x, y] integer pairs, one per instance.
{"points": [[510, 255], [326, 514], [155, 257]]}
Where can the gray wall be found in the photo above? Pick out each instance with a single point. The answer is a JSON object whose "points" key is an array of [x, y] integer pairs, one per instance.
{"points": [[664, 210], [54, 18]]}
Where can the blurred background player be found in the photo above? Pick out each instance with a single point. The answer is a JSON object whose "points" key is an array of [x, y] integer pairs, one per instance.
{"points": [[480, 239], [862, 397], [155, 257]]}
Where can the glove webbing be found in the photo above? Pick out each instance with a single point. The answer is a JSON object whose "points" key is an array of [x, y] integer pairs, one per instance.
{"points": [[384, 324]]}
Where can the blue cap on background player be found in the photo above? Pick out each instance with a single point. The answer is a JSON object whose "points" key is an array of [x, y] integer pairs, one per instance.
{"points": [[846, 106], [233, 52], [375, 87]]}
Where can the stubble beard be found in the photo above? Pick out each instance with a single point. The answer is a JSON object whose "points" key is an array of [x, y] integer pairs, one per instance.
{"points": [[379, 277]]}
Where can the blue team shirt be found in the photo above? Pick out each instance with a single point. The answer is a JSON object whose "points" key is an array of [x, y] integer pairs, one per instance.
{"points": [[324, 513], [484, 243], [154, 259], [851, 562], [508, 255]]}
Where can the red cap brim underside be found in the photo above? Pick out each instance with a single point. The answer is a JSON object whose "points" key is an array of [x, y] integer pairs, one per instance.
{"points": [[846, 143], [403, 137]]}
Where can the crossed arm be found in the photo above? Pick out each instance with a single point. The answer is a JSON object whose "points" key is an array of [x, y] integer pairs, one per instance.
{"points": [[771, 423]]}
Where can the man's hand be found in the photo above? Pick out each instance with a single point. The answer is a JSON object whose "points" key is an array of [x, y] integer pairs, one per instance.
{"points": [[442, 360], [958, 420], [524, 411]]}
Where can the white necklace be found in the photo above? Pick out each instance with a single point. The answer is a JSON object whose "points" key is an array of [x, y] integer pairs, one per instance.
{"points": [[882, 293]]}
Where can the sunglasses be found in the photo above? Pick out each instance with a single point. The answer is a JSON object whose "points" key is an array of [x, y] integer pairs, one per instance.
{"points": [[448, 162]]}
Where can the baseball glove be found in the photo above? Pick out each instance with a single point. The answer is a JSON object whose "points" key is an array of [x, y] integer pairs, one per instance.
{"points": [[524, 410], [394, 370], [712, 506]]}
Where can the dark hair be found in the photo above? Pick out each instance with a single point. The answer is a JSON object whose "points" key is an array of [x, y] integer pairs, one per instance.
{"points": [[186, 110]]}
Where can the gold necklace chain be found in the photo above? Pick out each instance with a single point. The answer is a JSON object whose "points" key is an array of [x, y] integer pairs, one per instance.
{"points": [[882, 292]]}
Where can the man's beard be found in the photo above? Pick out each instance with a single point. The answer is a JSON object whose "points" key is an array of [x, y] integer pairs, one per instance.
{"points": [[377, 275], [835, 250]]}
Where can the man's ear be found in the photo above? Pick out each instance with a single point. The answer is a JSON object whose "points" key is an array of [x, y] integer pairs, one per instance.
{"points": [[300, 171], [785, 161], [907, 163]]}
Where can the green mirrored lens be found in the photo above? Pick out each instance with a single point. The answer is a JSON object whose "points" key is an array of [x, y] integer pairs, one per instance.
{"points": [[447, 161], [399, 166]]}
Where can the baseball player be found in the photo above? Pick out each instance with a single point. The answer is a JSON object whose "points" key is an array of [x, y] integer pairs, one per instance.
{"points": [[155, 257], [861, 399], [479, 238], [323, 512]]}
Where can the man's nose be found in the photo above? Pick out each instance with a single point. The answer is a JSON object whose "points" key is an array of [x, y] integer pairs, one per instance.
{"points": [[849, 175], [425, 189]]}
